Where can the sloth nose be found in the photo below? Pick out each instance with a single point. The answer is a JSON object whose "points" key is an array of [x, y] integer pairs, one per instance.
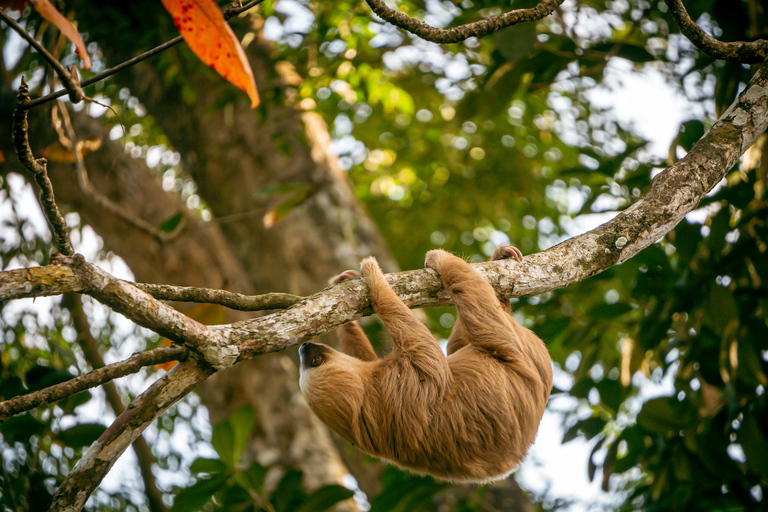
{"points": [[304, 351]]}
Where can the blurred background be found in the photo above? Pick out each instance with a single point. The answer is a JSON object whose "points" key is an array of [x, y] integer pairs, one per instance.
{"points": [[371, 141]]}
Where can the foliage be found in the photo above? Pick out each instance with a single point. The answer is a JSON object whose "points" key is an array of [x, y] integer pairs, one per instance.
{"points": [[229, 484], [467, 146]]}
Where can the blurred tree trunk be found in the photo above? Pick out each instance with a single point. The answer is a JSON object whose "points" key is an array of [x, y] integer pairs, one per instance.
{"points": [[231, 152]]}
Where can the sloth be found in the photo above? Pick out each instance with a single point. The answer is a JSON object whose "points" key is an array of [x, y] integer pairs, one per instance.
{"points": [[466, 417]]}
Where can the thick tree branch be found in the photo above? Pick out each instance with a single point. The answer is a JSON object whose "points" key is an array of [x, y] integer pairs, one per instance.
{"points": [[748, 52], [38, 168], [462, 32], [95, 378], [101, 456]]}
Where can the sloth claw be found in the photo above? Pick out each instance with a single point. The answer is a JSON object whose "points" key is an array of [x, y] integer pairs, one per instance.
{"points": [[506, 251], [433, 259], [344, 276]]}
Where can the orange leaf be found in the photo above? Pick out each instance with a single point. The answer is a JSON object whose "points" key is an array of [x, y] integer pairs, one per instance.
{"points": [[210, 38], [61, 155], [49, 12]]}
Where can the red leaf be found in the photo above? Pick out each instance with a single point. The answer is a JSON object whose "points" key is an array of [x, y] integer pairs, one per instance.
{"points": [[210, 38], [49, 12]]}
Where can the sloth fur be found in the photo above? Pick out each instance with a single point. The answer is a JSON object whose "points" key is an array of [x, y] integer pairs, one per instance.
{"points": [[467, 417]]}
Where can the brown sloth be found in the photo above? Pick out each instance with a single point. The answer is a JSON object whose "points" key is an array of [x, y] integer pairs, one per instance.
{"points": [[467, 417]]}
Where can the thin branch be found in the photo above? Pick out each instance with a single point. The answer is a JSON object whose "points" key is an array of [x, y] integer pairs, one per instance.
{"points": [[69, 141], [95, 378], [68, 79], [231, 300], [741, 51], [38, 168], [462, 32], [101, 456], [229, 13]]}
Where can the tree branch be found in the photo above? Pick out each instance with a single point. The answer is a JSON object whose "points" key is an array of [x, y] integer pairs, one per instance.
{"points": [[101, 456], [95, 378], [462, 32], [38, 168], [224, 298], [68, 79], [748, 52]]}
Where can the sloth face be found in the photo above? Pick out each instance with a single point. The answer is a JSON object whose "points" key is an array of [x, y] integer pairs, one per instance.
{"points": [[333, 384]]}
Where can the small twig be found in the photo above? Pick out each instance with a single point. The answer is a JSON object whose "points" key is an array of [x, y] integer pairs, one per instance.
{"points": [[228, 14], [95, 378], [69, 80], [462, 32], [38, 168], [70, 142], [741, 51], [231, 300]]}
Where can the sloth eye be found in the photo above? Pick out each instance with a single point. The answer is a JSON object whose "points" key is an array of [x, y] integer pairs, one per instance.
{"points": [[316, 361]]}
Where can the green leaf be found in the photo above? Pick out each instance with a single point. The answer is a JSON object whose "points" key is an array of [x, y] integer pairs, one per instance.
{"points": [[242, 420], [206, 465], [222, 441], [283, 208], [666, 414], [83, 434], [609, 311], [611, 393], [253, 477], [11, 387], [589, 428], [721, 308], [194, 498], [21, 428], [755, 444], [172, 223], [71, 402], [324, 498], [689, 134], [39, 377], [289, 493]]}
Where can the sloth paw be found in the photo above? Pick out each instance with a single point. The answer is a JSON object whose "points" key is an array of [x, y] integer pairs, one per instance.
{"points": [[435, 258], [506, 251], [369, 267], [344, 276]]}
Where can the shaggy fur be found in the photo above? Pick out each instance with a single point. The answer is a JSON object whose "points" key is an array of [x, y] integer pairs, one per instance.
{"points": [[468, 417]]}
